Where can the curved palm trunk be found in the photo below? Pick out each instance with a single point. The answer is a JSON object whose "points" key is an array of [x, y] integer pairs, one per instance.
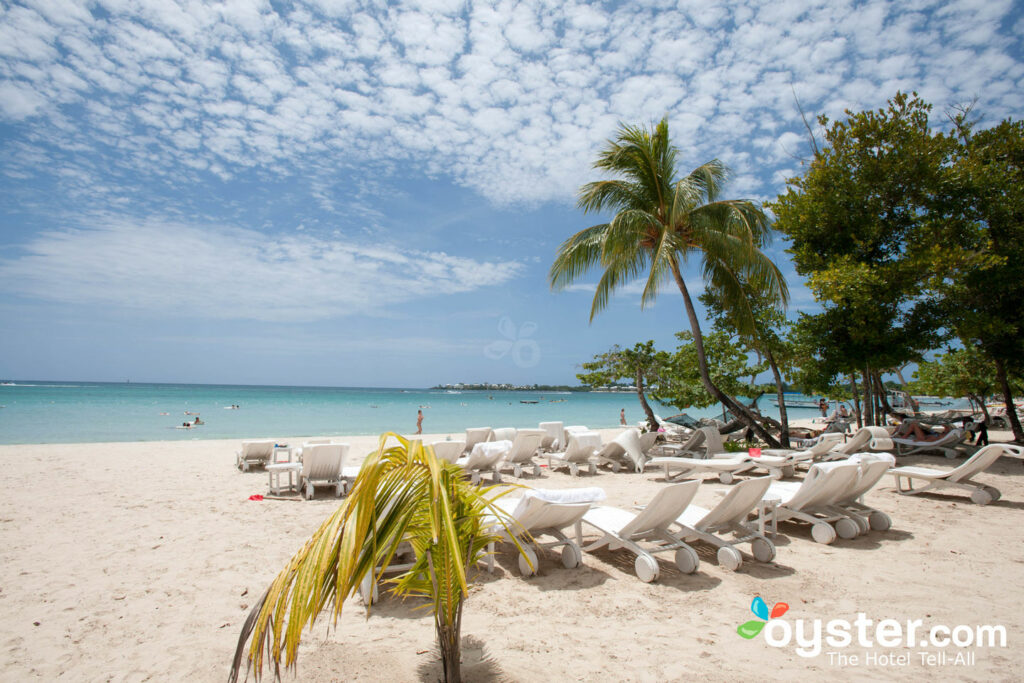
{"points": [[651, 420], [702, 365], [783, 416]]}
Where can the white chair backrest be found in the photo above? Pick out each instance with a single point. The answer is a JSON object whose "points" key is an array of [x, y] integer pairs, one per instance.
{"points": [[647, 440], [871, 472], [475, 435], [978, 462], [570, 430], [582, 445], [556, 431], [504, 434], [629, 442], [663, 510], [487, 454], [448, 451], [534, 514], [257, 449], [825, 484], [734, 508], [525, 445], [314, 442], [323, 461], [826, 443]]}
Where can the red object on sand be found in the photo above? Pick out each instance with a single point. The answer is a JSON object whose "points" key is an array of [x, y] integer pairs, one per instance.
{"points": [[256, 496], [754, 452]]}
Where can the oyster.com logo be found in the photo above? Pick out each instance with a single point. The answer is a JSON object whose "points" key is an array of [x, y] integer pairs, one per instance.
{"points": [[751, 628]]}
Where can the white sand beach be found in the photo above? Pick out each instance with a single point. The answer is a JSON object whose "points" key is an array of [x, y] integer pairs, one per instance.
{"points": [[140, 561]]}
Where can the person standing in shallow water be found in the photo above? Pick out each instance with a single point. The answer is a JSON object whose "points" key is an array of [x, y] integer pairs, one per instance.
{"points": [[419, 421], [622, 416]]}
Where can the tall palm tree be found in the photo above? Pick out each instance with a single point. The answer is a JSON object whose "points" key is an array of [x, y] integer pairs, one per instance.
{"points": [[661, 222], [402, 494]]}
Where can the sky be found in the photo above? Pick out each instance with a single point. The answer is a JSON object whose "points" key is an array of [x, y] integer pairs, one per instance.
{"points": [[348, 193]]}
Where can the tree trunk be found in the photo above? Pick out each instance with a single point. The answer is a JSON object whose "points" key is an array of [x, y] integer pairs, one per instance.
{"points": [[1011, 409], [783, 417], [856, 400], [651, 420], [981, 406], [869, 403], [886, 408], [702, 366]]}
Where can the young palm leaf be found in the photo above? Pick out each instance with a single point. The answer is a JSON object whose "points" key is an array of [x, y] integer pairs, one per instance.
{"points": [[403, 494]]}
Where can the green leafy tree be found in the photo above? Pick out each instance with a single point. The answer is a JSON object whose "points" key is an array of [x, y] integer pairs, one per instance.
{"points": [[640, 365], [983, 298], [403, 494], [660, 222], [961, 372], [761, 326], [727, 362], [863, 220]]}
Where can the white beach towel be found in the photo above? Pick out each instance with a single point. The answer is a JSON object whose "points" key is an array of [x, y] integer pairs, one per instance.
{"points": [[491, 448]]}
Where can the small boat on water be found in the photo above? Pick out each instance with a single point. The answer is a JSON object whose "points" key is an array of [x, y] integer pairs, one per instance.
{"points": [[528, 401]]}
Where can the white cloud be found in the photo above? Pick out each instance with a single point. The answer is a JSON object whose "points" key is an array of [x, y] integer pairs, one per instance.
{"points": [[232, 273], [510, 99]]}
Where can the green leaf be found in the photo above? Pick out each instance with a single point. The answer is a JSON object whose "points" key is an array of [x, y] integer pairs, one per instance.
{"points": [[750, 629]]}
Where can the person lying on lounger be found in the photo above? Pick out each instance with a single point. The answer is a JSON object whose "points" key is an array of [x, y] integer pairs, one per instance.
{"points": [[912, 429]]}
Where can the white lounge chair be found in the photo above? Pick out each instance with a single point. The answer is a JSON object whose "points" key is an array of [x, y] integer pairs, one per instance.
{"points": [[475, 435], [650, 527], [873, 467], [782, 462], [254, 453], [503, 434], [702, 443], [625, 450], [865, 438], [448, 451], [524, 446], [554, 435], [485, 457], [813, 501], [946, 444], [725, 465], [581, 450], [961, 477], [729, 516], [546, 512], [322, 466]]}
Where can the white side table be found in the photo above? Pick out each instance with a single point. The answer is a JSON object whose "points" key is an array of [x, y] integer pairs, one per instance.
{"points": [[768, 504], [292, 469]]}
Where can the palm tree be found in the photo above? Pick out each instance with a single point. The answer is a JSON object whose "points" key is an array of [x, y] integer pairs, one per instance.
{"points": [[402, 494], [659, 223]]}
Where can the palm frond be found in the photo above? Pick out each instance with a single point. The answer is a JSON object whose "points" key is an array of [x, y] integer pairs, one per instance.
{"points": [[403, 493], [576, 256]]}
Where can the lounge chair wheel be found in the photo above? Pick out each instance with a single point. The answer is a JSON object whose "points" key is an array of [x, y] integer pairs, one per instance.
{"points": [[687, 559], [994, 492], [524, 564], [981, 496], [615, 467], [788, 470], [571, 556], [763, 550], [573, 470], [339, 489], [879, 521], [517, 471], [592, 469], [726, 477], [646, 568], [823, 533], [729, 558], [847, 528], [309, 491]]}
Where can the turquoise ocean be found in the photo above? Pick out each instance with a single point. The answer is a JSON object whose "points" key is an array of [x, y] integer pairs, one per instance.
{"points": [[73, 412]]}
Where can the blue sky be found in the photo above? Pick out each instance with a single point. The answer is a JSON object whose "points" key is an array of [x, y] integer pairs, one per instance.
{"points": [[365, 194]]}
